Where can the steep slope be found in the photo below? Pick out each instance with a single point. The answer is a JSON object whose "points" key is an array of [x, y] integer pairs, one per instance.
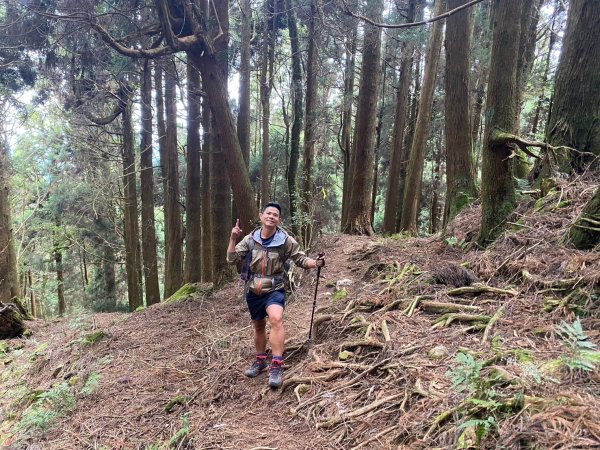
{"points": [[411, 350]]}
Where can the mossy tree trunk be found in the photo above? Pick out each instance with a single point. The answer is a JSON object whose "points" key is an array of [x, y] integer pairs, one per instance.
{"points": [[585, 232], [575, 113], [9, 282], [498, 195]]}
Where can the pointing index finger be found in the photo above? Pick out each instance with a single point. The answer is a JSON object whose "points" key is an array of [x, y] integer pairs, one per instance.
{"points": [[237, 223]]}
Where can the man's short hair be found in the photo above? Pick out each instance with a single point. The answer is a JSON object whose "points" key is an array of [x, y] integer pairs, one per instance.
{"points": [[272, 205]]}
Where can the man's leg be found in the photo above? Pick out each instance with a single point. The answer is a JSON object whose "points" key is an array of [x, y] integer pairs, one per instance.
{"points": [[260, 344], [277, 335], [277, 339], [260, 335]]}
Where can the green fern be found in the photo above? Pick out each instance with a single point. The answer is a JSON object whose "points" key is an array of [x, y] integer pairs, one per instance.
{"points": [[582, 353]]}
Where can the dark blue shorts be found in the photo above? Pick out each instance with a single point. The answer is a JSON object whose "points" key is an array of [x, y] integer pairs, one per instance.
{"points": [[258, 304]]}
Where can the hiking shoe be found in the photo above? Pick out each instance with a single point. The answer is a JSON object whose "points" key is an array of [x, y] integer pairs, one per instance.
{"points": [[259, 364], [276, 374]]}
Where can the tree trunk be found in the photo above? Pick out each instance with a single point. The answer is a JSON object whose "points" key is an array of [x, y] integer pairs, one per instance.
{"points": [[436, 207], [399, 156], [9, 282], [32, 300], [243, 118], [346, 134], [207, 222], [292, 172], [173, 224], [193, 250], [150, 264], [417, 153], [529, 20], [575, 113], [266, 85], [131, 229], [58, 267], [311, 124], [221, 188], [542, 100], [497, 184], [461, 189], [214, 85], [359, 208], [161, 127], [585, 232]]}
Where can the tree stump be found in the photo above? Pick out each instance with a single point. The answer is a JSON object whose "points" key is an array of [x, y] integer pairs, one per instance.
{"points": [[11, 321]]}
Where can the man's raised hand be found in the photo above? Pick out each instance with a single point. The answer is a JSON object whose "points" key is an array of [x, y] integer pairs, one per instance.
{"points": [[236, 231]]}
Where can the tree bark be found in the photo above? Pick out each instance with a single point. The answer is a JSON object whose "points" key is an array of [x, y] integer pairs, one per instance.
{"points": [[417, 153], [193, 249], [310, 125], [296, 89], [9, 282], [173, 223], [461, 189], [243, 119], [207, 222], [266, 86], [131, 229], [575, 113], [399, 158], [359, 208], [497, 185], [60, 279], [348, 95], [529, 20], [150, 263]]}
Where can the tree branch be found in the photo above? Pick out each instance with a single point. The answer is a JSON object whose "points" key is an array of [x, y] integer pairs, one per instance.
{"points": [[412, 24]]}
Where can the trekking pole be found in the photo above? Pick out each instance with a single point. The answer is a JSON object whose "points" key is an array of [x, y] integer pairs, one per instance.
{"points": [[312, 316]]}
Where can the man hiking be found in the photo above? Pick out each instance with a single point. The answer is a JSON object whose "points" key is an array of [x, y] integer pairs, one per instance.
{"points": [[264, 253]]}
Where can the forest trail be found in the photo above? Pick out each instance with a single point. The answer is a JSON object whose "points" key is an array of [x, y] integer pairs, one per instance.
{"points": [[377, 374]]}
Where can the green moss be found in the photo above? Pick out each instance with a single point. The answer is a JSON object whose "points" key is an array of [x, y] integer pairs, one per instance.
{"points": [[179, 400], [140, 309], [340, 295], [92, 338], [184, 292]]}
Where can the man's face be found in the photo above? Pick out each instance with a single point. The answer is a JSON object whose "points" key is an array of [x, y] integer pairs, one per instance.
{"points": [[270, 217]]}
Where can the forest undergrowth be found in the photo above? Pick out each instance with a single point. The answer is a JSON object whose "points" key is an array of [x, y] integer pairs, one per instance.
{"points": [[417, 343]]}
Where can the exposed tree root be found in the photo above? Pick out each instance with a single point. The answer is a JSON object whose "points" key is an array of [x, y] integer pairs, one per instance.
{"points": [[478, 288], [335, 420], [491, 323], [447, 319], [439, 307]]}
